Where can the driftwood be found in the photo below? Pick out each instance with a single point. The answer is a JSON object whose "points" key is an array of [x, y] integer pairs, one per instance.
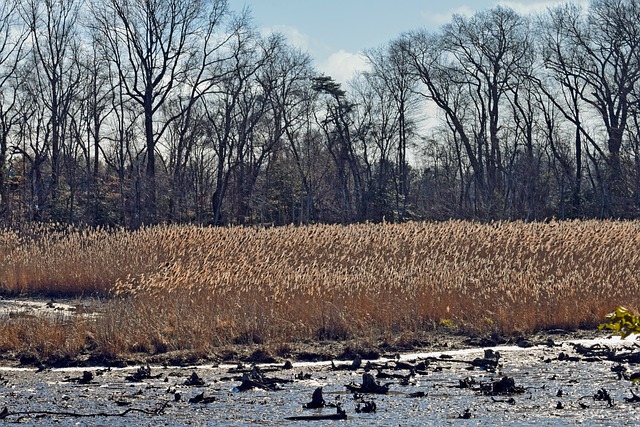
{"points": [[465, 415], [317, 401], [633, 399], [86, 378], [354, 366], [194, 380], [510, 401], [143, 373], [160, 409], [256, 379], [488, 362], [505, 385], [417, 394], [369, 385], [200, 398], [467, 382], [366, 406], [339, 415], [603, 395], [303, 376]]}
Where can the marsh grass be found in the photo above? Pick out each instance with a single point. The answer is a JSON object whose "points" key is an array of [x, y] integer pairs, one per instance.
{"points": [[190, 288]]}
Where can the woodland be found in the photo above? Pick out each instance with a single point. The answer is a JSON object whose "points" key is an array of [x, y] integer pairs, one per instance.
{"points": [[136, 112]]}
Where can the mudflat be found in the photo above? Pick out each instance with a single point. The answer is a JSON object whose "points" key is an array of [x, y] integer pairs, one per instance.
{"points": [[558, 378]]}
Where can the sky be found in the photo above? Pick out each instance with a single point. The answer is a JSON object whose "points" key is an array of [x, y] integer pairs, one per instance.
{"points": [[336, 32]]}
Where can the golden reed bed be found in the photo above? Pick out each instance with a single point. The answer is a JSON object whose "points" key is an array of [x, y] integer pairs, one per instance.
{"points": [[191, 288]]}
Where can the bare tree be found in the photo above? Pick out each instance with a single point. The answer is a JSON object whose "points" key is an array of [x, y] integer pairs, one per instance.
{"points": [[376, 123], [391, 67], [481, 57], [335, 118], [444, 84], [53, 26], [153, 45], [230, 121], [562, 61], [597, 57], [12, 38]]}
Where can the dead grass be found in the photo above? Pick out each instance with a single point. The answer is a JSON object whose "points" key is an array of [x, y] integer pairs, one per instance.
{"points": [[60, 261], [198, 289]]}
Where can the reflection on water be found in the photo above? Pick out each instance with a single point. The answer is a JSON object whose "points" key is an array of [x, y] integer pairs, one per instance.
{"points": [[558, 390]]}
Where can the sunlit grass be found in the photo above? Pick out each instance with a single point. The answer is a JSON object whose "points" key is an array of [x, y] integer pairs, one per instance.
{"points": [[192, 288]]}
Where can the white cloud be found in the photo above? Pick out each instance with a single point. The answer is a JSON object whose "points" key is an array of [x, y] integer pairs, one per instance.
{"points": [[528, 7], [439, 19], [340, 65], [343, 65], [294, 36]]}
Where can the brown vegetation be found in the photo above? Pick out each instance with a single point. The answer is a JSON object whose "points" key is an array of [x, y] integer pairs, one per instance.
{"points": [[199, 289]]}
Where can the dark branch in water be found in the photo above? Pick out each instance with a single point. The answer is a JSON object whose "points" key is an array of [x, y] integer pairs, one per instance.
{"points": [[159, 410]]}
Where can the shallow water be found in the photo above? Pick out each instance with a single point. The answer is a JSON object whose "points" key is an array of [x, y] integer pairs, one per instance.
{"points": [[537, 369]]}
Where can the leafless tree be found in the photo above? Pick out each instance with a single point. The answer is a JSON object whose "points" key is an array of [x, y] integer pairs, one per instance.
{"points": [[596, 57], [12, 38], [155, 46], [53, 27], [391, 68]]}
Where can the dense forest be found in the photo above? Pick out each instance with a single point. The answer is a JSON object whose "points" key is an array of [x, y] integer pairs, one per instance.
{"points": [[132, 112]]}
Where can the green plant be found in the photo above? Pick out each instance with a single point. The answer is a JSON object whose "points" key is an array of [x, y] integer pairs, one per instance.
{"points": [[446, 323], [622, 322]]}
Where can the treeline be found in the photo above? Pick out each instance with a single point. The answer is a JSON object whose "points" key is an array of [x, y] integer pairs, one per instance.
{"points": [[131, 112]]}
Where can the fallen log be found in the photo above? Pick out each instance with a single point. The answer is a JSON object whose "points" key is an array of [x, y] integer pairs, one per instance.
{"points": [[339, 415]]}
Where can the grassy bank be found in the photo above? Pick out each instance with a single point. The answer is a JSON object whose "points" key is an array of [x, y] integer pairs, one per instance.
{"points": [[199, 289]]}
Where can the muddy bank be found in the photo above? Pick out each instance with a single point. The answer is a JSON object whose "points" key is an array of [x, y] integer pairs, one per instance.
{"points": [[301, 351], [550, 382], [15, 309]]}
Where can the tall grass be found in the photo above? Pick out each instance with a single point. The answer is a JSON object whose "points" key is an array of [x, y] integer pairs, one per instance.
{"points": [[59, 261], [194, 288]]}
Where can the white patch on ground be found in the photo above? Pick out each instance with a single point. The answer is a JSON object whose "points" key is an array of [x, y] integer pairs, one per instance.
{"points": [[17, 308]]}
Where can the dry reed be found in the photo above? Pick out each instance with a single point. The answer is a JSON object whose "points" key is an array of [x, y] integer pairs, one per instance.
{"points": [[191, 288]]}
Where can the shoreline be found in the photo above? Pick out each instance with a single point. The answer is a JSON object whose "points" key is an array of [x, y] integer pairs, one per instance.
{"points": [[310, 351]]}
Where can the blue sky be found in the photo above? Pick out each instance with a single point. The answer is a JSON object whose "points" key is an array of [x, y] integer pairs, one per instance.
{"points": [[335, 32]]}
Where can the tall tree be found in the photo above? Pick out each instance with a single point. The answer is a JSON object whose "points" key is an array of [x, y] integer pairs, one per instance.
{"points": [[12, 38], [152, 44], [601, 59], [336, 121], [391, 66], [480, 56], [491, 48], [53, 26], [228, 110]]}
